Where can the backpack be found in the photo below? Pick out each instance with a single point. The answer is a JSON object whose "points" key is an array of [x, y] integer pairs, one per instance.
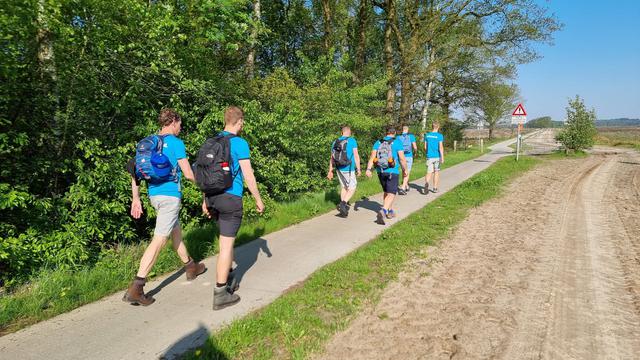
{"points": [[339, 153], [384, 155], [212, 168], [406, 143], [151, 164]]}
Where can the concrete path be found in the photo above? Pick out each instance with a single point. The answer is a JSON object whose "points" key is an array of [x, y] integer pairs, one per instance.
{"points": [[182, 318]]}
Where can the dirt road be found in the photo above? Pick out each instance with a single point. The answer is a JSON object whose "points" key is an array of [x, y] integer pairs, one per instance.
{"points": [[551, 270]]}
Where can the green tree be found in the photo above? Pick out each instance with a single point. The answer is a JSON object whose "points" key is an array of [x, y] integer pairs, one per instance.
{"points": [[493, 102], [580, 129]]}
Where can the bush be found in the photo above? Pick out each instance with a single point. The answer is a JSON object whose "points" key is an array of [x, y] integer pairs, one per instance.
{"points": [[579, 132]]}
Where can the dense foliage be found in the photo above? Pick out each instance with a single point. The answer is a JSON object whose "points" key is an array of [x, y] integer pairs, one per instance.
{"points": [[82, 80]]}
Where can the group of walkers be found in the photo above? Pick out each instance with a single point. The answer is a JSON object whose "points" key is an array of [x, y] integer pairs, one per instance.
{"points": [[389, 155], [223, 167], [224, 205]]}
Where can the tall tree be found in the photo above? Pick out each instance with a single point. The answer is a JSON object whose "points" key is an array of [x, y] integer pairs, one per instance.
{"points": [[253, 40]]}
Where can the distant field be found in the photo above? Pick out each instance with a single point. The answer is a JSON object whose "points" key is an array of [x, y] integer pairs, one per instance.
{"points": [[619, 136], [497, 133]]}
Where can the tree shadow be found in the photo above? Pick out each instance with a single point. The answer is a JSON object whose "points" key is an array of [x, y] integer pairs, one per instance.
{"points": [[246, 256], [198, 338], [366, 203]]}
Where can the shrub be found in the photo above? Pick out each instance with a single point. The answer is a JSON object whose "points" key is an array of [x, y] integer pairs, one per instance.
{"points": [[579, 131]]}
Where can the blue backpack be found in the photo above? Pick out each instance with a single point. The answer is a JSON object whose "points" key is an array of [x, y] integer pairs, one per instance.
{"points": [[406, 143], [151, 164]]}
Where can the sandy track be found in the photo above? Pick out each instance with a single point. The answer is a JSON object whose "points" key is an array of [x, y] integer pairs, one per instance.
{"points": [[551, 270]]}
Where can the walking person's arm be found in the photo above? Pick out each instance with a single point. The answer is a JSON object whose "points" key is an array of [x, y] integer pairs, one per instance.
{"points": [[441, 152], [356, 158], [249, 177], [403, 162], [370, 163], [136, 205], [186, 169], [330, 173]]}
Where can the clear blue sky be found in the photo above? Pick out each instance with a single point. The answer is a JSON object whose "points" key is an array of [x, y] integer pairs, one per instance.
{"points": [[596, 55]]}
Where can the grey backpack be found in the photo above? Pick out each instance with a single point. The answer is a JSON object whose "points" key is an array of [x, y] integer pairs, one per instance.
{"points": [[385, 155]]}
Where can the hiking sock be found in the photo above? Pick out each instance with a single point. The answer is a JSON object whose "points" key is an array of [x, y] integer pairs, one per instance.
{"points": [[139, 280]]}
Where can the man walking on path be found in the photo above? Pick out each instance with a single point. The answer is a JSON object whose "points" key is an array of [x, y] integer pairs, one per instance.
{"points": [[409, 145], [387, 156], [345, 157], [165, 199], [435, 157], [226, 208]]}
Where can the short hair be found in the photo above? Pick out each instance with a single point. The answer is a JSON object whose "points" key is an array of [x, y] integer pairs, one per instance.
{"points": [[435, 123], [167, 116], [232, 115], [405, 126], [345, 127], [390, 129]]}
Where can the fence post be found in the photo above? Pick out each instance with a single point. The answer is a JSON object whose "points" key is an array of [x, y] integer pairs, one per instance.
{"points": [[481, 145], [455, 145]]}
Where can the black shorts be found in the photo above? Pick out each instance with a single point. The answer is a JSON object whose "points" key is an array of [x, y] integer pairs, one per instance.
{"points": [[389, 182], [226, 209]]}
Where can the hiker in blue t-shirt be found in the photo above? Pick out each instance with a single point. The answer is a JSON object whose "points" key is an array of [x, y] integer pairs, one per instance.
{"points": [[345, 157], [435, 157], [165, 199], [387, 156], [226, 208], [409, 146]]}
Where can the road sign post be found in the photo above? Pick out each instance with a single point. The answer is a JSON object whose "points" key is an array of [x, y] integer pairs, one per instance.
{"points": [[519, 116]]}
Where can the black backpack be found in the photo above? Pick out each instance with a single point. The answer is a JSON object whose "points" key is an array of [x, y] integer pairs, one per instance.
{"points": [[339, 153], [212, 168]]}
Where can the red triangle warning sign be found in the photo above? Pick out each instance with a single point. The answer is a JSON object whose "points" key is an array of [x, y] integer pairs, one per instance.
{"points": [[519, 111]]}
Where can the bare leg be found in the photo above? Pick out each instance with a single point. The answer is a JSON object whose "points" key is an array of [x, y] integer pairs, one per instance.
{"points": [[388, 201], [151, 255], [225, 259], [178, 244], [436, 179]]}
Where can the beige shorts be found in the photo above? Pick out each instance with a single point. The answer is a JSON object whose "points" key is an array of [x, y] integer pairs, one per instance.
{"points": [[347, 179], [167, 213], [433, 165]]}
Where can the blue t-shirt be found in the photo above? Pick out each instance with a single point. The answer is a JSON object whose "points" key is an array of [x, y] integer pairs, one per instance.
{"points": [[433, 140], [174, 149], [239, 151], [404, 138], [396, 147], [351, 144]]}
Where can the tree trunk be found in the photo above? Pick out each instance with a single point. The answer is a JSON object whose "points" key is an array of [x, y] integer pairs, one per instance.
{"points": [[251, 57], [427, 97], [358, 73], [390, 8], [46, 56], [406, 98], [326, 16]]}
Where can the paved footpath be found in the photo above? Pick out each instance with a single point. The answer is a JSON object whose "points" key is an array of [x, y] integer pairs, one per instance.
{"points": [[182, 318]]}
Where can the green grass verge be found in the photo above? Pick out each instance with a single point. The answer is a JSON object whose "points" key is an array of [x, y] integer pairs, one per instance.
{"points": [[53, 292], [301, 321]]}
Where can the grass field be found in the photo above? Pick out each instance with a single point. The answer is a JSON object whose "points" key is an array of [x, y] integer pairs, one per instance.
{"points": [[619, 136], [53, 292], [301, 321]]}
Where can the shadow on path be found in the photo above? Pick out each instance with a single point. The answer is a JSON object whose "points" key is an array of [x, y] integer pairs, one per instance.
{"points": [[198, 337], [247, 255], [166, 282], [366, 203]]}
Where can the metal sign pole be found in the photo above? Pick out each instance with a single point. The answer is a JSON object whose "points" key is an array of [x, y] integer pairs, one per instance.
{"points": [[518, 144]]}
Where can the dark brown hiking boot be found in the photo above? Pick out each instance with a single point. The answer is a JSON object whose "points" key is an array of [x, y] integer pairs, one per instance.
{"points": [[222, 298], [193, 269], [135, 295]]}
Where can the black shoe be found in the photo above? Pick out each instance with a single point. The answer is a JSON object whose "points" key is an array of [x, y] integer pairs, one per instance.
{"points": [[434, 190], [380, 217], [425, 189], [402, 192], [232, 282], [343, 209]]}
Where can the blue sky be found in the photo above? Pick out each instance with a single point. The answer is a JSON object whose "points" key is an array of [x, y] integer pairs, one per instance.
{"points": [[596, 55]]}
